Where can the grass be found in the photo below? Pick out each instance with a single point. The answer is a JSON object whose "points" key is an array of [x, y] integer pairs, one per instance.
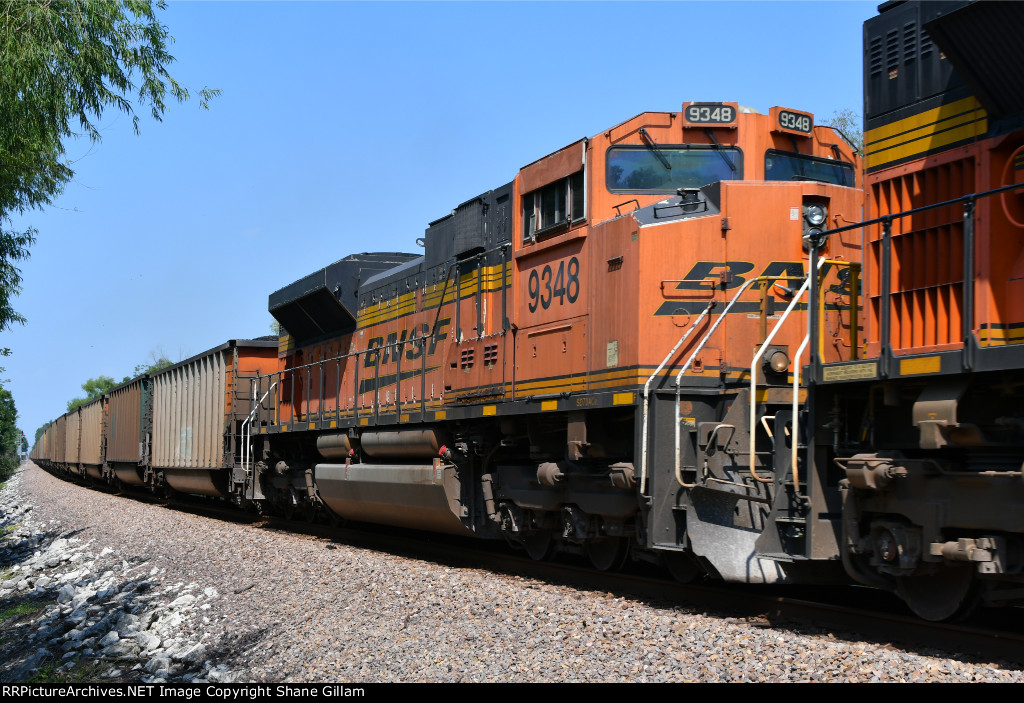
{"points": [[21, 609], [81, 672]]}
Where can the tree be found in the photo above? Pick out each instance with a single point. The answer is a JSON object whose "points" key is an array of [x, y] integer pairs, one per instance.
{"points": [[94, 388], [62, 63], [848, 123], [10, 435], [159, 361]]}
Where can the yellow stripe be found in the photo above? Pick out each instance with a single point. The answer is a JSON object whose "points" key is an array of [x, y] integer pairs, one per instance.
{"points": [[549, 405], [623, 399], [440, 415], [925, 131], [489, 410], [491, 279], [925, 364]]}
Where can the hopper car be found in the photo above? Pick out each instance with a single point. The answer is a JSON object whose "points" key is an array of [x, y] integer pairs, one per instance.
{"points": [[714, 339]]}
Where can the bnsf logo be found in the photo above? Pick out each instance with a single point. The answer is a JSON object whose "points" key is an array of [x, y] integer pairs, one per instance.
{"points": [[725, 275], [709, 276], [390, 348]]}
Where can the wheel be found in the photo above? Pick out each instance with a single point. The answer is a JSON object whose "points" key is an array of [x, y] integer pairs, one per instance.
{"points": [[538, 545], [682, 566], [607, 554], [948, 593]]}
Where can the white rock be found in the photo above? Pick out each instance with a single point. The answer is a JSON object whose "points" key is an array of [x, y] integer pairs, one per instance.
{"points": [[147, 640], [109, 638], [181, 602]]}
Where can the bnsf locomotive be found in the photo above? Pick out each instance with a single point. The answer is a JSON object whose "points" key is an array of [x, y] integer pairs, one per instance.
{"points": [[672, 341]]}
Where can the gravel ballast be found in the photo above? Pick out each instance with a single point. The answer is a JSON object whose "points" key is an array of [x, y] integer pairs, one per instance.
{"points": [[102, 587]]}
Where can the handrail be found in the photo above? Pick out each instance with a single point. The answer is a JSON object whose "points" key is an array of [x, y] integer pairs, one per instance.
{"points": [[643, 452], [247, 424], [697, 350], [796, 425], [753, 364]]}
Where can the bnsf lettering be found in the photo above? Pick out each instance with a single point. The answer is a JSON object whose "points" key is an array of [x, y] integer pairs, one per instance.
{"points": [[706, 275], [731, 274], [722, 275], [388, 350]]}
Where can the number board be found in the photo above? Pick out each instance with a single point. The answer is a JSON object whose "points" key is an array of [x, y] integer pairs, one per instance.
{"points": [[792, 121], [710, 114]]}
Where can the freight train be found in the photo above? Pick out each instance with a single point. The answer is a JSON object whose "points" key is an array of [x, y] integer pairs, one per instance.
{"points": [[678, 340]]}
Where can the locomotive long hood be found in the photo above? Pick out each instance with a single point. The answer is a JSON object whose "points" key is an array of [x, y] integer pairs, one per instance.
{"points": [[982, 42]]}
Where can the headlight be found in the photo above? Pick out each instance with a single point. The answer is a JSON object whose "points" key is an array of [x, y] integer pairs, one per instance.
{"points": [[815, 214]]}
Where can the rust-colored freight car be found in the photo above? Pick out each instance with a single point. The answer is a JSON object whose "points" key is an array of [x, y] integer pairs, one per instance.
{"points": [[128, 428], [90, 445], [199, 406]]}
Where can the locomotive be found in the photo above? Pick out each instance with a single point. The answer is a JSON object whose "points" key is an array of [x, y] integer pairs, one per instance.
{"points": [[673, 341], [927, 428]]}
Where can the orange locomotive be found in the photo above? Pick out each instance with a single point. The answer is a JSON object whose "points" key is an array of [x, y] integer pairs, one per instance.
{"points": [[571, 362], [928, 428]]}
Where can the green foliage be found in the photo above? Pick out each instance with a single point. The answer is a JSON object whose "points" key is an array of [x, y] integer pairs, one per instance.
{"points": [[94, 388], [10, 435], [847, 121], [83, 671], [21, 609], [158, 363], [62, 64]]}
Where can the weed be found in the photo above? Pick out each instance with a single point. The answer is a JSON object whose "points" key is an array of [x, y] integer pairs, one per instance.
{"points": [[81, 672], [21, 609]]}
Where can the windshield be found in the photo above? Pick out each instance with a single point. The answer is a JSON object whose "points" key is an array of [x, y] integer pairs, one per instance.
{"points": [[784, 166], [638, 169]]}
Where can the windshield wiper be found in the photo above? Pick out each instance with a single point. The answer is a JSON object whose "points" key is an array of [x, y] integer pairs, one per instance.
{"points": [[654, 148], [721, 152]]}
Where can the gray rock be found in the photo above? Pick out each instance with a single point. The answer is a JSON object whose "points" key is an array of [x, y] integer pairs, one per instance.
{"points": [[147, 640], [81, 598], [65, 594], [157, 664], [122, 649], [109, 638], [190, 655], [221, 675], [126, 619]]}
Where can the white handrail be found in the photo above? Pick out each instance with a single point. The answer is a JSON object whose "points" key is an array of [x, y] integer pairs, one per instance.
{"points": [[753, 364], [696, 351], [247, 424], [643, 451]]}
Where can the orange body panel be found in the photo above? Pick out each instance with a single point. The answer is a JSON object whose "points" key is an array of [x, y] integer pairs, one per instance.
{"points": [[926, 280]]}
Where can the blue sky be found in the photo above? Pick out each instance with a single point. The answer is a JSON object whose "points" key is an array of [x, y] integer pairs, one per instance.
{"points": [[346, 127]]}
